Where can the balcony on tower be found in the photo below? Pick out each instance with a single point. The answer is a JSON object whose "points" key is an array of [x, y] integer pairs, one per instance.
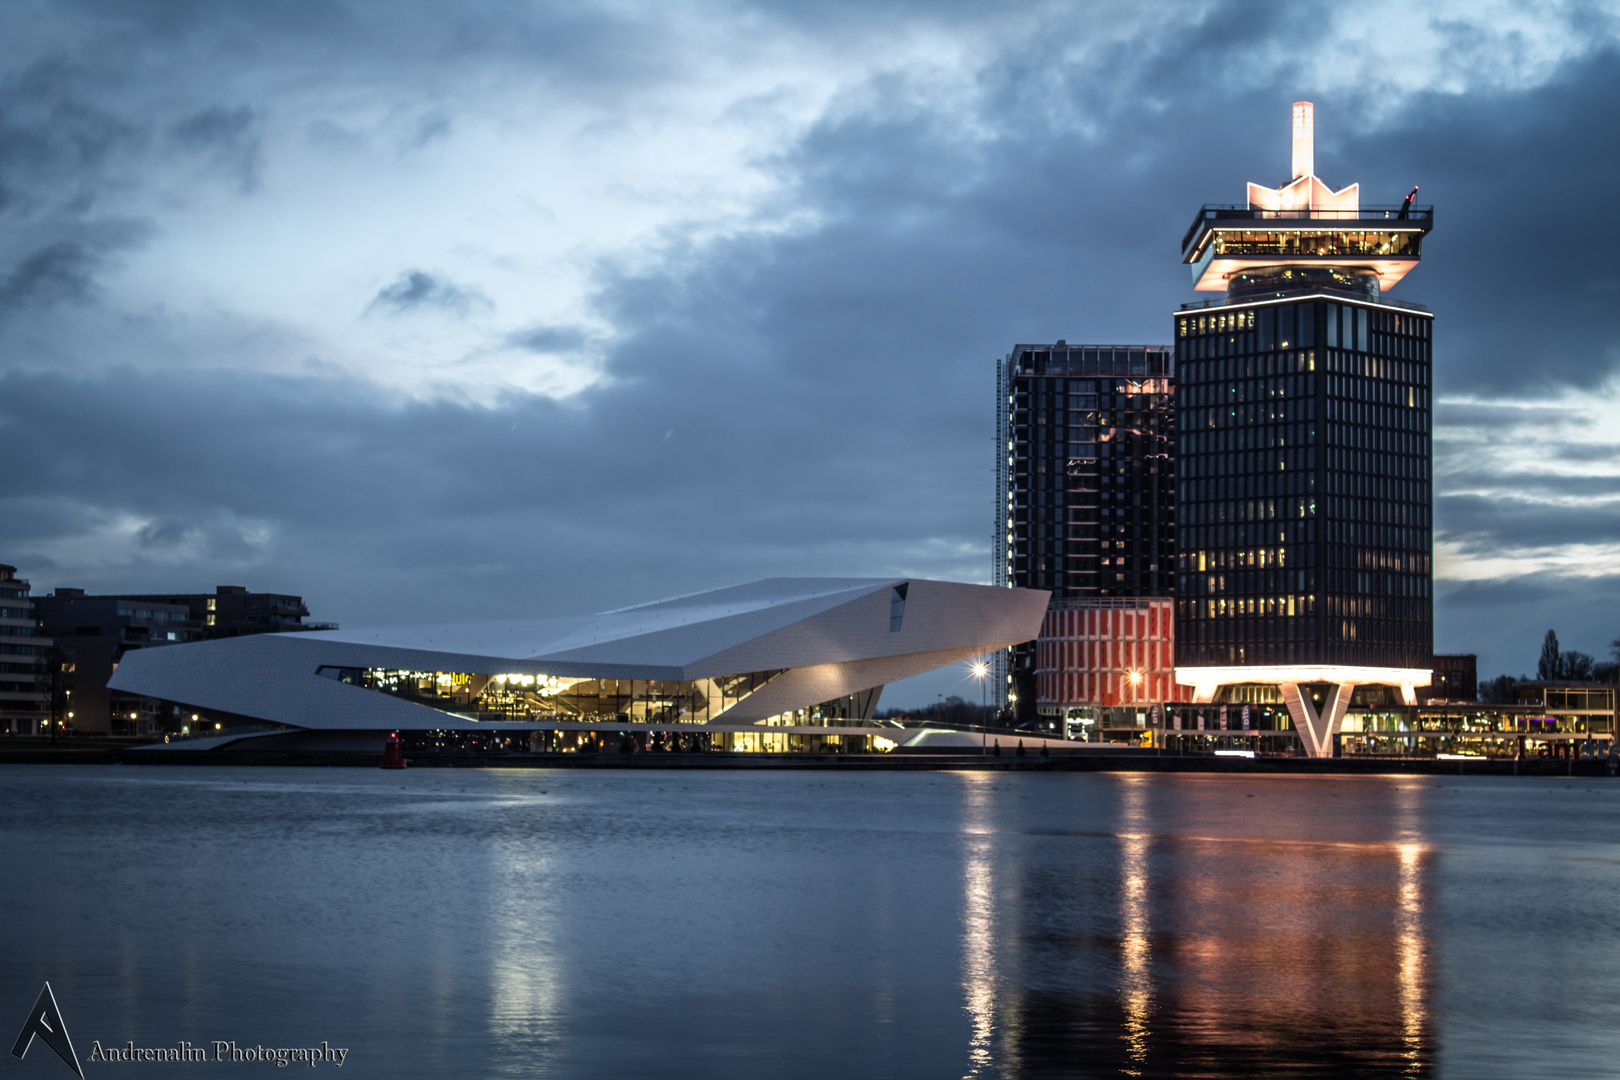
{"points": [[1304, 235]]}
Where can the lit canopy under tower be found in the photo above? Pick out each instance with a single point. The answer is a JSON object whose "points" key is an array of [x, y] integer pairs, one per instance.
{"points": [[1304, 233]]}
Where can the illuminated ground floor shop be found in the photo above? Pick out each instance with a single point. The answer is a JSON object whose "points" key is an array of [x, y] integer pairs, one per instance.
{"points": [[1547, 720]]}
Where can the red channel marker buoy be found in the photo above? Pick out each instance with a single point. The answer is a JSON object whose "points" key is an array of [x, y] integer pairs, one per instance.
{"points": [[393, 753]]}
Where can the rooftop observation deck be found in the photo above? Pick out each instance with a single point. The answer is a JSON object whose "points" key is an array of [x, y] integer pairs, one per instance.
{"points": [[1226, 241], [1212, 216]]}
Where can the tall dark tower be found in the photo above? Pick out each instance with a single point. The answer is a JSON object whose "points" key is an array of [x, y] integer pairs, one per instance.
{"points": [[1303, 423]]}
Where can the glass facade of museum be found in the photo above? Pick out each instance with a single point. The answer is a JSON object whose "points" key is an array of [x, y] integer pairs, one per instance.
{"points": [[637, 739], [1304, 520], [540, 698]]}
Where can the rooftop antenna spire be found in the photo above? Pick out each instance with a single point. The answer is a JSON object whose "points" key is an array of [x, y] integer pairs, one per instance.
{"points": [[1304, 139]]}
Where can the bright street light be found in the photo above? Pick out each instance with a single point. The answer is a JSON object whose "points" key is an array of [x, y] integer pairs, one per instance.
{"points": [[979, 670]]}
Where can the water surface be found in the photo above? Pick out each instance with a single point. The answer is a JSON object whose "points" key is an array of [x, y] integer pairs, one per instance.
{"points": [[811, 924]]}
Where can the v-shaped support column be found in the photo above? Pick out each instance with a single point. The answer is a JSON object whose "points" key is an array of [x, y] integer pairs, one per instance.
{"points": [[1316, 730]]}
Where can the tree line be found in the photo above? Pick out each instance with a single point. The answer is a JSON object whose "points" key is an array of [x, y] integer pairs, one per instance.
{"points": [[1556, 665], [950, 710]]}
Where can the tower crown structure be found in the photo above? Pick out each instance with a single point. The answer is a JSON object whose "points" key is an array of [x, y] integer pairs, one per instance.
{"points": [[1304, 139], [1304, 234]]}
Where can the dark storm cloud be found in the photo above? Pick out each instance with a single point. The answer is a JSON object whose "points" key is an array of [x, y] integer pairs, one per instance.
{"points": [[1488, 526], [227, 136], [1519, 267], [60, 271], [161, 534], [605, 53], [64, 270], [416, 290], [1493, 497], [549, 339], [215, 126], [1586, 453], [60, 148], [529, 506], [53, 131]]}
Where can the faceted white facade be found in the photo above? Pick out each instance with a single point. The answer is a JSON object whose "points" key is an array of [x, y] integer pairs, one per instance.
{"points": [[793, 643]]}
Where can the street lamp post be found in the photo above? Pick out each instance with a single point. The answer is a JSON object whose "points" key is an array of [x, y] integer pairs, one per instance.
{"points": [[980, 669], [1136, 689]]}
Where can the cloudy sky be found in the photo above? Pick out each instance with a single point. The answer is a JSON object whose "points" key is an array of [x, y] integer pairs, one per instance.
{"points": [[453, 311]]}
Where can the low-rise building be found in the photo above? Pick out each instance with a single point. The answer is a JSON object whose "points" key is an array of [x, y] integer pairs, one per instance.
{"points": [[1456, 678], [1103, 665], [1545, 720], [95, 632], [231, 611]]}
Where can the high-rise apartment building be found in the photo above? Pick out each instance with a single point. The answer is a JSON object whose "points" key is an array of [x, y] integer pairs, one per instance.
{"points": [[1304, 450], [25, 692], [1086, 469]]}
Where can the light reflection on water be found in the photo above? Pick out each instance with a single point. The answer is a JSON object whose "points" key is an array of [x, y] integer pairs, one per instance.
{"points": [[1135, 948], [979, 984], [526, 984], [525, 923], [1410, 943]]}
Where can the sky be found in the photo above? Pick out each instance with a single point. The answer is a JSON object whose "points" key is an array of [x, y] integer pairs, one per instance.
{"points": [[442, 312]]}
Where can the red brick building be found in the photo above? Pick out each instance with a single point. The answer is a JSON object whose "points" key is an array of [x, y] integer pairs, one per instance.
{"points": [[1103, 652]]}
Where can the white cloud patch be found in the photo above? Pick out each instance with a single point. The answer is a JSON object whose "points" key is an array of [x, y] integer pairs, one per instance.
{"points": [[558, 142], [1455, 561]]}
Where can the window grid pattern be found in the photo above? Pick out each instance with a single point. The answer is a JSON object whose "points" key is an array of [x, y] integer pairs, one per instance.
{"points": [[1305, 526], [1090, 471]]}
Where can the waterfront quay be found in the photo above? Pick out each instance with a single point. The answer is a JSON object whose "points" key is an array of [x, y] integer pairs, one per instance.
{"points": [[1090, 759]]}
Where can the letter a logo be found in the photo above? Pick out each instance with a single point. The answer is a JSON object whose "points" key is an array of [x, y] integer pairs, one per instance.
{"points": [[46, 1021]]}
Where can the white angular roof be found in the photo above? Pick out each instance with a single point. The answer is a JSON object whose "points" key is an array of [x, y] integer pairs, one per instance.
{"points": [[832, 634]]}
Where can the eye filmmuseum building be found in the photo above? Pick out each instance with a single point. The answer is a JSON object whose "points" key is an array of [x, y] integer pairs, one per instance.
{"points": [[784, 664], [1304, 562]]}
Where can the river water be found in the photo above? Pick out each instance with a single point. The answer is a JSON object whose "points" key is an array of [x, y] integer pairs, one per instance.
{"points": [[751, 924]]}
